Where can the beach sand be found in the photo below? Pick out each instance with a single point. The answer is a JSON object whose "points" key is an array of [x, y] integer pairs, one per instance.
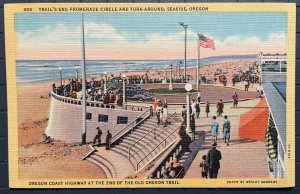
{"points": [[48, 161], [61, 160]]}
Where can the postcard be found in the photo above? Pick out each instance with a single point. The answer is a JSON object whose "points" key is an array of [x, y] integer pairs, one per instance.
{"points": [[191, 95]]}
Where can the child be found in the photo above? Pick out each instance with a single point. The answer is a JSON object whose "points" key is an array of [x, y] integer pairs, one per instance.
{"points": [[204, 167]]}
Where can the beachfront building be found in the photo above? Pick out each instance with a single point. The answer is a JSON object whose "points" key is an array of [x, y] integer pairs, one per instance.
{"points": [[272, 62], [274, 87]]}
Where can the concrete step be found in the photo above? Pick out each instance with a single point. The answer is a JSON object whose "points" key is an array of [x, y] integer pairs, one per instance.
{"points": [[138, 146], [102, 166], [105, 162], [134, 150], [124, 170]]}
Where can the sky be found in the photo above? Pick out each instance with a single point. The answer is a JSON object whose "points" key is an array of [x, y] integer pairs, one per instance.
{"points": [[140, 36]]}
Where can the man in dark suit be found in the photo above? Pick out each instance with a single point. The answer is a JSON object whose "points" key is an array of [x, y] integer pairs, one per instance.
{"points": [[98, 136], [213, 159]]}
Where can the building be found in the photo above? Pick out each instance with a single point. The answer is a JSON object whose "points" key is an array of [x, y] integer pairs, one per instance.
{"points": [[273, 76]]}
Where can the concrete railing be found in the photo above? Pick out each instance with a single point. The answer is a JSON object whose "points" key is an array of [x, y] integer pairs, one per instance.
{"points": [[95, 103]]}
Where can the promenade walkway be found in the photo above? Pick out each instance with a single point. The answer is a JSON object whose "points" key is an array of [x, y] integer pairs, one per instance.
{"points": [[243, 158]]}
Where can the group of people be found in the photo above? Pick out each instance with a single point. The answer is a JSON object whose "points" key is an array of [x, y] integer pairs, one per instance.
{"points": [[161, 111], [173, 170], [214, 129], [210, 163], [98, 138]]}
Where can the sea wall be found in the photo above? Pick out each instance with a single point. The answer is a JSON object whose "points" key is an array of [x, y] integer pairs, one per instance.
{"points": [[65, 120]]}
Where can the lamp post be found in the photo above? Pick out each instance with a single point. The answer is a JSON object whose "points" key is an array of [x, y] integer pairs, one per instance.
{"points": [[105, 81], [185, 29], [166, 75], [76, 69], [124, 89], [60, 74], [188, 87], [83, 133], [170, 85]]}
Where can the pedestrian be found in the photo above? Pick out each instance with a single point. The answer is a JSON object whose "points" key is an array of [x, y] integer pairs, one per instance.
{"points": [[165, 105], [214, 129], [207, 109], [161, 115], [220, 107], [165, 115], [108, 139], [158, 115], [193, 107], [193, 124], [213, 159], [197, 109], [235, 100], [226, 130], [183, 112], [154, 104], [233, 82], [151, 111], [204, 167], [98, 137], [199, 96]]}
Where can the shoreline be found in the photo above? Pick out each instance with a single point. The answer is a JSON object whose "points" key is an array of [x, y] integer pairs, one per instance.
{"points": [[140, 72]]}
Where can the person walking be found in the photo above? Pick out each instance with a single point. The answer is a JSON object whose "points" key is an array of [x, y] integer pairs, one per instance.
{"points": [[220, 107], [214, 129], [154, 104], [207, 109], [226, 130], [108, 139], [197, 109], [165, 115], [204, 167], [235, 98], [98, 137], [193, 107], [158, 115], [213, 159], [199, 96]]}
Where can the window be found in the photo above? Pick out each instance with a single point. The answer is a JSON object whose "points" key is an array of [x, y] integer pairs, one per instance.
{"points": [[122, 120], [103, 118], [88, 116]]}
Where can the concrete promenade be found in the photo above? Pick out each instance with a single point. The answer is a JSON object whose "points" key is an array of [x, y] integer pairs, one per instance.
{"points": [[242, 158]]}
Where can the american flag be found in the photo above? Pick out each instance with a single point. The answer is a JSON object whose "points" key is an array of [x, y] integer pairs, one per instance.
{"points": [[206, 42]]}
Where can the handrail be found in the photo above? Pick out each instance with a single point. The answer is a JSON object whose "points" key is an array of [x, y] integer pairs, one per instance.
{"points": [[179, 173], [154, 129], [165, 140], [132, 122]]}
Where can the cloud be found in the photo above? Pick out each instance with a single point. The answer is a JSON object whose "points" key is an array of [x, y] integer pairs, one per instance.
{"points": [[103, 41]]}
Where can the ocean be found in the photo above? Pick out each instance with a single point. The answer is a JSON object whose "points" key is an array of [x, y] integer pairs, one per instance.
{"points": [[40, 71]]}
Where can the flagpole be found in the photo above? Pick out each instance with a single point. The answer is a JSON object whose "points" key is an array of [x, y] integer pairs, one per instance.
{"points": [[198, 61], [83, 134]]}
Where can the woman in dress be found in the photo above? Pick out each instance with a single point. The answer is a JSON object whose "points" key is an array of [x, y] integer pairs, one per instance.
{"points": [[207, 108], [214, 129]]}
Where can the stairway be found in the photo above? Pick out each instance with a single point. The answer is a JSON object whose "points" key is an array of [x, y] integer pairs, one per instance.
{"points": [[116, 163]]}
